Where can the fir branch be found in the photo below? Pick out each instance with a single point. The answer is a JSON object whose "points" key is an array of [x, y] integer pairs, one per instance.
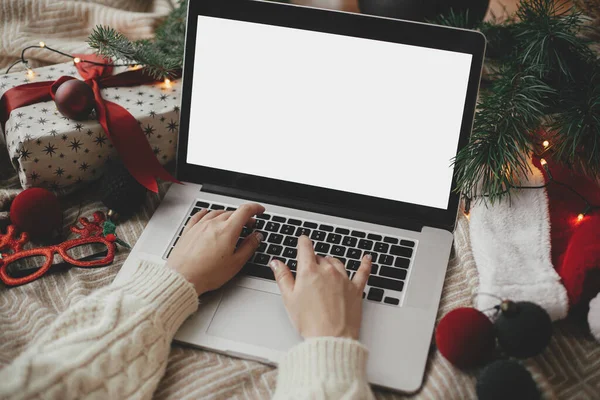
{"points": [[496, 157]]}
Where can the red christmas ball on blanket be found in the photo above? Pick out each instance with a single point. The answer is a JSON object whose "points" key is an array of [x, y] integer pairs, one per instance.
{"points": [[36, 211], [465, 337], [74, 99]]}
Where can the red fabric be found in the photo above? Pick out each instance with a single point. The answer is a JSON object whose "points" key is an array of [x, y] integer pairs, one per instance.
{"points": [[120, 126], [575, 244], [465, 337], [91, 232]]}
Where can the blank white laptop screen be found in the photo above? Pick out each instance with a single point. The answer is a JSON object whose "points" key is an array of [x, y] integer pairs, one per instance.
{"points": [[358, 115]]}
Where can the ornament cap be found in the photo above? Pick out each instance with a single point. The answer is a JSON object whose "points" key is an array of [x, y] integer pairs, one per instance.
{"points": [[509, 307], [113, 215]]}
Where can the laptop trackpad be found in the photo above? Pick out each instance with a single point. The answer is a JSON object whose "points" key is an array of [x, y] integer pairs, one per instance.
{"points": [[253, 317]]}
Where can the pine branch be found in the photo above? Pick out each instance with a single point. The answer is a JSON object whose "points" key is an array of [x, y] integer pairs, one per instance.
{"points": [[497, 153]]}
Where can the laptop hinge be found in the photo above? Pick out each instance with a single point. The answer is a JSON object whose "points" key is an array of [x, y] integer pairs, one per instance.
{"points": [[321, 208]]}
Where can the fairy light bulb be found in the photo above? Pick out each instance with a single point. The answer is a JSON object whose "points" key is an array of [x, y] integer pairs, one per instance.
{"points": [[167, 82], [543, 162], [77, 60], [42, 45], [546, 143], [30, 73], [580, 217]]}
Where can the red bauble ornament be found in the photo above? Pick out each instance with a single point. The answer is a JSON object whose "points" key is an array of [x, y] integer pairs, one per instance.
{"points": [[37, 212], [465, 337], [74, 99]]}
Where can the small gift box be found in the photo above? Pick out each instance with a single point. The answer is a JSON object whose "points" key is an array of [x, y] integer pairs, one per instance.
{"points": [[135, 118]]}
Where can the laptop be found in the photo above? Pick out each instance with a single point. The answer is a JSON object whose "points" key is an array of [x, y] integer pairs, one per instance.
{"points": [[344, 127]]}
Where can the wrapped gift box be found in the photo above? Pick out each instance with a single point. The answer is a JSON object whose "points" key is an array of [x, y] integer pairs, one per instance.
{"points": [[52, 151]]}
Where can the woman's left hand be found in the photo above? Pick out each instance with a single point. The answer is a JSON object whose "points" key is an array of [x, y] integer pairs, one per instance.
{"points": [[206, 254]]}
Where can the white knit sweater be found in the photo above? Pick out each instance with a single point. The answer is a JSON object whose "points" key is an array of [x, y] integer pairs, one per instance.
{"points": [[114, 344]]}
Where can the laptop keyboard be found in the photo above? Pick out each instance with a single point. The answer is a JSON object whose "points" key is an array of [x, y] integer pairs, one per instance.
{"points": [[392, 256]]}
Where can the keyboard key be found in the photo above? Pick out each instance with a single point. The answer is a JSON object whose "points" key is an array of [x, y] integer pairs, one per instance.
{"points": [[275, 238], [169, 253], [217, 207], [293, 264], [349, 274], [386, 283], [407, 243], [303, 231], [274, 249], [311, 225], [359, 234], [290, 241], [230, 209], [373, 255], [290, 252], [391, 240], [374, 269], [288, 229], [338, 251], [353, 265], [318, 236], [195, 211], [181, 231], [372, 236], [261, 259], [259, 271], [401, 251], [263, 216], [350, 241], [296, 222], [354, 253], [260, 224], [283, 260], [334, 238], [176, 240], [375, 294], [245, 232], [381, 247], [322, 255], [322, 247], [342, 231], [327, 228], [187, 220], [272, 227], [365, 244], [386, 259], [202, 204], [262, 247], [277, 218], [364, 295], [402, 262], [393, 272], [293, 274], [342, 259], [391, 300]]}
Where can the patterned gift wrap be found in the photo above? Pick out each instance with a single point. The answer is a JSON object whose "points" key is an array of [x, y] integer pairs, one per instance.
{"points": [[52, 151]]}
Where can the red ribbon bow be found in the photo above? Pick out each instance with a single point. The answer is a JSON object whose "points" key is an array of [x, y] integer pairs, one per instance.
{"points": [[120, 126]]}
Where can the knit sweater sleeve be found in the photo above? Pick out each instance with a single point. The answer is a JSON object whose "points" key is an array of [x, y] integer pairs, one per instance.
{"points": [[324, 368], [113, 344]]}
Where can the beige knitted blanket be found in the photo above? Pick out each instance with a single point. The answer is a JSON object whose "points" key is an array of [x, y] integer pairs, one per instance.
{"points": [[567, 369]]}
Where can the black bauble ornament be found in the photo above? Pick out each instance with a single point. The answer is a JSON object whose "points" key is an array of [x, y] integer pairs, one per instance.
{"points": [[120, 192], [74, 99], [523, 329], [506, 379]]}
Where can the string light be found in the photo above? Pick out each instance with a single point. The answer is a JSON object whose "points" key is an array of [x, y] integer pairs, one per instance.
{"points": [[30, 73], [77, 60], [588, 207], [42, 45], [167, 82]]}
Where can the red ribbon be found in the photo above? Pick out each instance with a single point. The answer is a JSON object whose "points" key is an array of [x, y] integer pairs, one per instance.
{"points": [[120, 126]]}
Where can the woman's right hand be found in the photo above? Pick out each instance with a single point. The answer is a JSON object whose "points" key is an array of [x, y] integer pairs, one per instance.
{"points": [[322, 301]]}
